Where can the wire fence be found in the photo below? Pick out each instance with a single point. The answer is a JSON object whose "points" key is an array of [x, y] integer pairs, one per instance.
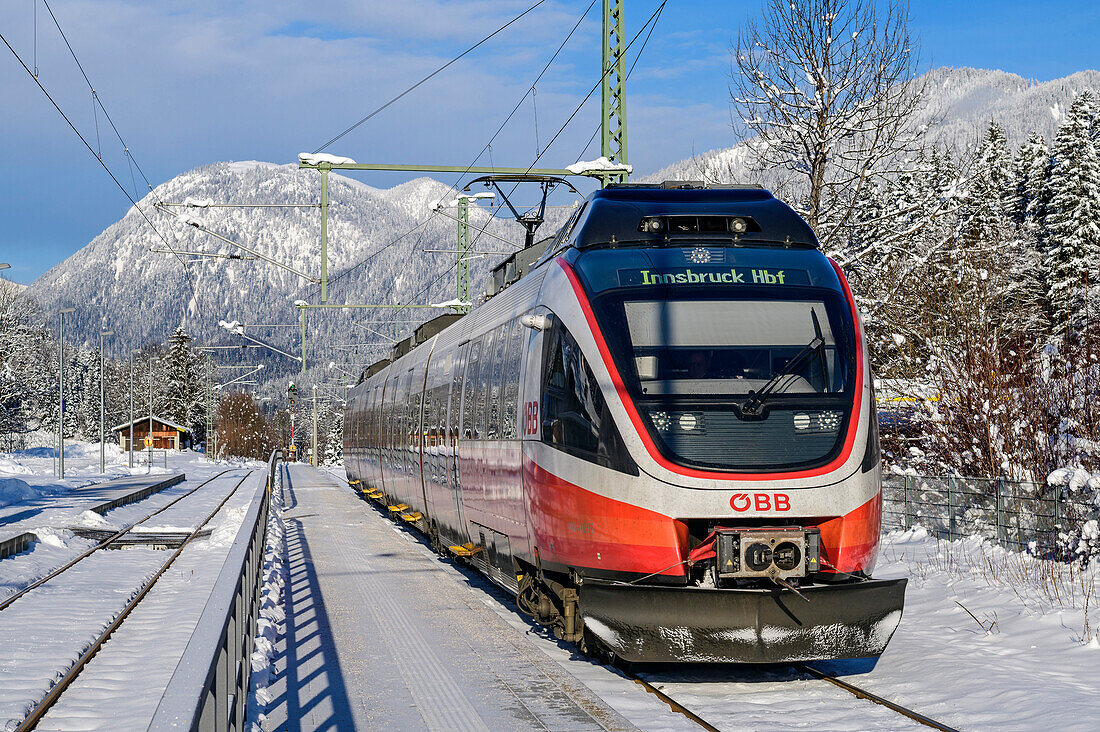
{"points": [[1017, 515]]}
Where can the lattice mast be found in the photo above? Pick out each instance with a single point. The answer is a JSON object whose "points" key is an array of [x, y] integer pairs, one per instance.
{"points": [[613, 115]]}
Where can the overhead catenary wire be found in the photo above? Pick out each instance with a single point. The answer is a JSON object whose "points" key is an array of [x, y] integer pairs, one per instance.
{"points": [[133, 201], [95, 96], [648, 24], [487, 147], [427, 78]]}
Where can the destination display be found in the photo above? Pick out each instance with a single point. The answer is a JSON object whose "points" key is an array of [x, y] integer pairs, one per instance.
{"points": [[713, 276]]}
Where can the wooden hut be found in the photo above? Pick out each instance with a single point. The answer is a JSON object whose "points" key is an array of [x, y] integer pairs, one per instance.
{"points": [[166, 434]]}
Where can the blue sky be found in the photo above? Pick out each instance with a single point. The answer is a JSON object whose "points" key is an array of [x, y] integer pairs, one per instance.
{"points": [[195, 81]]}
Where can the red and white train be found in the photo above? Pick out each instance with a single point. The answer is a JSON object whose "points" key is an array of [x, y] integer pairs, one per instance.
{"points": [[659, 433]]}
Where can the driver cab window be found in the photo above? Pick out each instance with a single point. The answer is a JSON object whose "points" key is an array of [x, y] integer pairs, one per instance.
{"points": [[575, 415]]}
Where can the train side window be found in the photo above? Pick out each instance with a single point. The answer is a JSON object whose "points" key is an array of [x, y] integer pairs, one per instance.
{"points": [[511, 380], [414, 428], [498, 374], [457, 373], [484, 381], [469, 398], [575, 415]]}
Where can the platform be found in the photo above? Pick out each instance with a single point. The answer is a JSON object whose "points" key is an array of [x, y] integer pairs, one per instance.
{"points": [[19, 520], [383, 635]]}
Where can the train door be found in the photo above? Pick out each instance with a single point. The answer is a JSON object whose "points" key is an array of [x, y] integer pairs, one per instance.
{"points": [[454, 524], [421, 403], [530, 395], [405, 437], [436, 486], [531, 386], [385, 434]]}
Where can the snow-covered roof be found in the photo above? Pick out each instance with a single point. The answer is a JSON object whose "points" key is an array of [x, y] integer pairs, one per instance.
{"points": [[162, 420], [317, 158], [190, 220], [453, 203], [455, 303], [598, 165]]}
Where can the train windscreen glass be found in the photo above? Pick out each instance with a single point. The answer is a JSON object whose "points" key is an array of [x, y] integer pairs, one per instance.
{"points": [[748, 378]]}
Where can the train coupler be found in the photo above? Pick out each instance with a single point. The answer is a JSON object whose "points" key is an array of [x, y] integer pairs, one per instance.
{"points": [[779, 554]]}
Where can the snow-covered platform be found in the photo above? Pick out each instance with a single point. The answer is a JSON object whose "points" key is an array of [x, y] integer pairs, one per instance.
{"points": [[381, 634], [20, 519]]}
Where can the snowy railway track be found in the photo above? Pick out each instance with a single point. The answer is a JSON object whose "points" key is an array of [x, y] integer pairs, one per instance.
{"points": [[105, 543], [696, 714], [134, 575]]}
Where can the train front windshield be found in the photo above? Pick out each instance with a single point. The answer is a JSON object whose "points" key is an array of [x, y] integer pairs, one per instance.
{"points": [[743, 375]]}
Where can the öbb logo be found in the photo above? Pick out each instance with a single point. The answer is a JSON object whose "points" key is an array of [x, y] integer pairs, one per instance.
{"points": [[762, 501]]}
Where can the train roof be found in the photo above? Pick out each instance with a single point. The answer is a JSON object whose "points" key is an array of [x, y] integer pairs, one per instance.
{"points": [[689, 211]]}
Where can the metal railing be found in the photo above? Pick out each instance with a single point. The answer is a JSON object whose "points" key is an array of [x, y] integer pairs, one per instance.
{"points": [[1017, 515], [209, 688]]}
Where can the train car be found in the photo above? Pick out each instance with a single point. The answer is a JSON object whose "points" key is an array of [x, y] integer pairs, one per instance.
{"points": [[658, 432]]}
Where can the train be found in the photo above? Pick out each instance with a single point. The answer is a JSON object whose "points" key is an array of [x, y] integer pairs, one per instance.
{"points": [[658, 432]]}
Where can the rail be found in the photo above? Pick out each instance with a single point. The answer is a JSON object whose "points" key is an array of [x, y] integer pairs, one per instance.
{"points": [[852, 689], [1017, 515], [207, 691]]}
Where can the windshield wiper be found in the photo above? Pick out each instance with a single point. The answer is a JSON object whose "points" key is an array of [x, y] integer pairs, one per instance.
{"points": [[754, 406]]}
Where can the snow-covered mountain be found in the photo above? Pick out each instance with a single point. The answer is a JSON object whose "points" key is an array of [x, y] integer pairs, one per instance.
{"points": [[962, 101], [117, 281]]}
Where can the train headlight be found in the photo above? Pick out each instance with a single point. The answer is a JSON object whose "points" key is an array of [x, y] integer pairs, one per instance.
{"points": [[688, 422], [738, 226], [661, 421], [652, 226], [830, 421]]}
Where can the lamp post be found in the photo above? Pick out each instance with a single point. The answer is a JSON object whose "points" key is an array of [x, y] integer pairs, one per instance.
{"points": [[314, 426], [131, 443], [102, 402], [61, 392], [150, 433]]}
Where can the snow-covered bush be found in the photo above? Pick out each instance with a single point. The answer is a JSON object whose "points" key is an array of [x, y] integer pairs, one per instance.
{"points": [[1079, 534]]}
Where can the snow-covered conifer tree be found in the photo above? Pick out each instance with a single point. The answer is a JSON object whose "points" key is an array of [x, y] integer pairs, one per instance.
{"points": [[1072, 218], [1031, 166], [984, 212], [185, 396]]}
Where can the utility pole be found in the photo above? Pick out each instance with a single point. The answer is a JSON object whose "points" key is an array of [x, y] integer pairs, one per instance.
{"points": [[150, 435], [463, 250], [102, 403], [210, 455], [131, 450], [613, 96], [314, 425], [612, 142], [61, 392], [324, 242], [302, 316]]}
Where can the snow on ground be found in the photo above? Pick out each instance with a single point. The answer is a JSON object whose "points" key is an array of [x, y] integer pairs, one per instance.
{"points": [[30, 474], [124, 675], [79, 608], [127, 677], [271, 623], [991, 639], [51, 513]]}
